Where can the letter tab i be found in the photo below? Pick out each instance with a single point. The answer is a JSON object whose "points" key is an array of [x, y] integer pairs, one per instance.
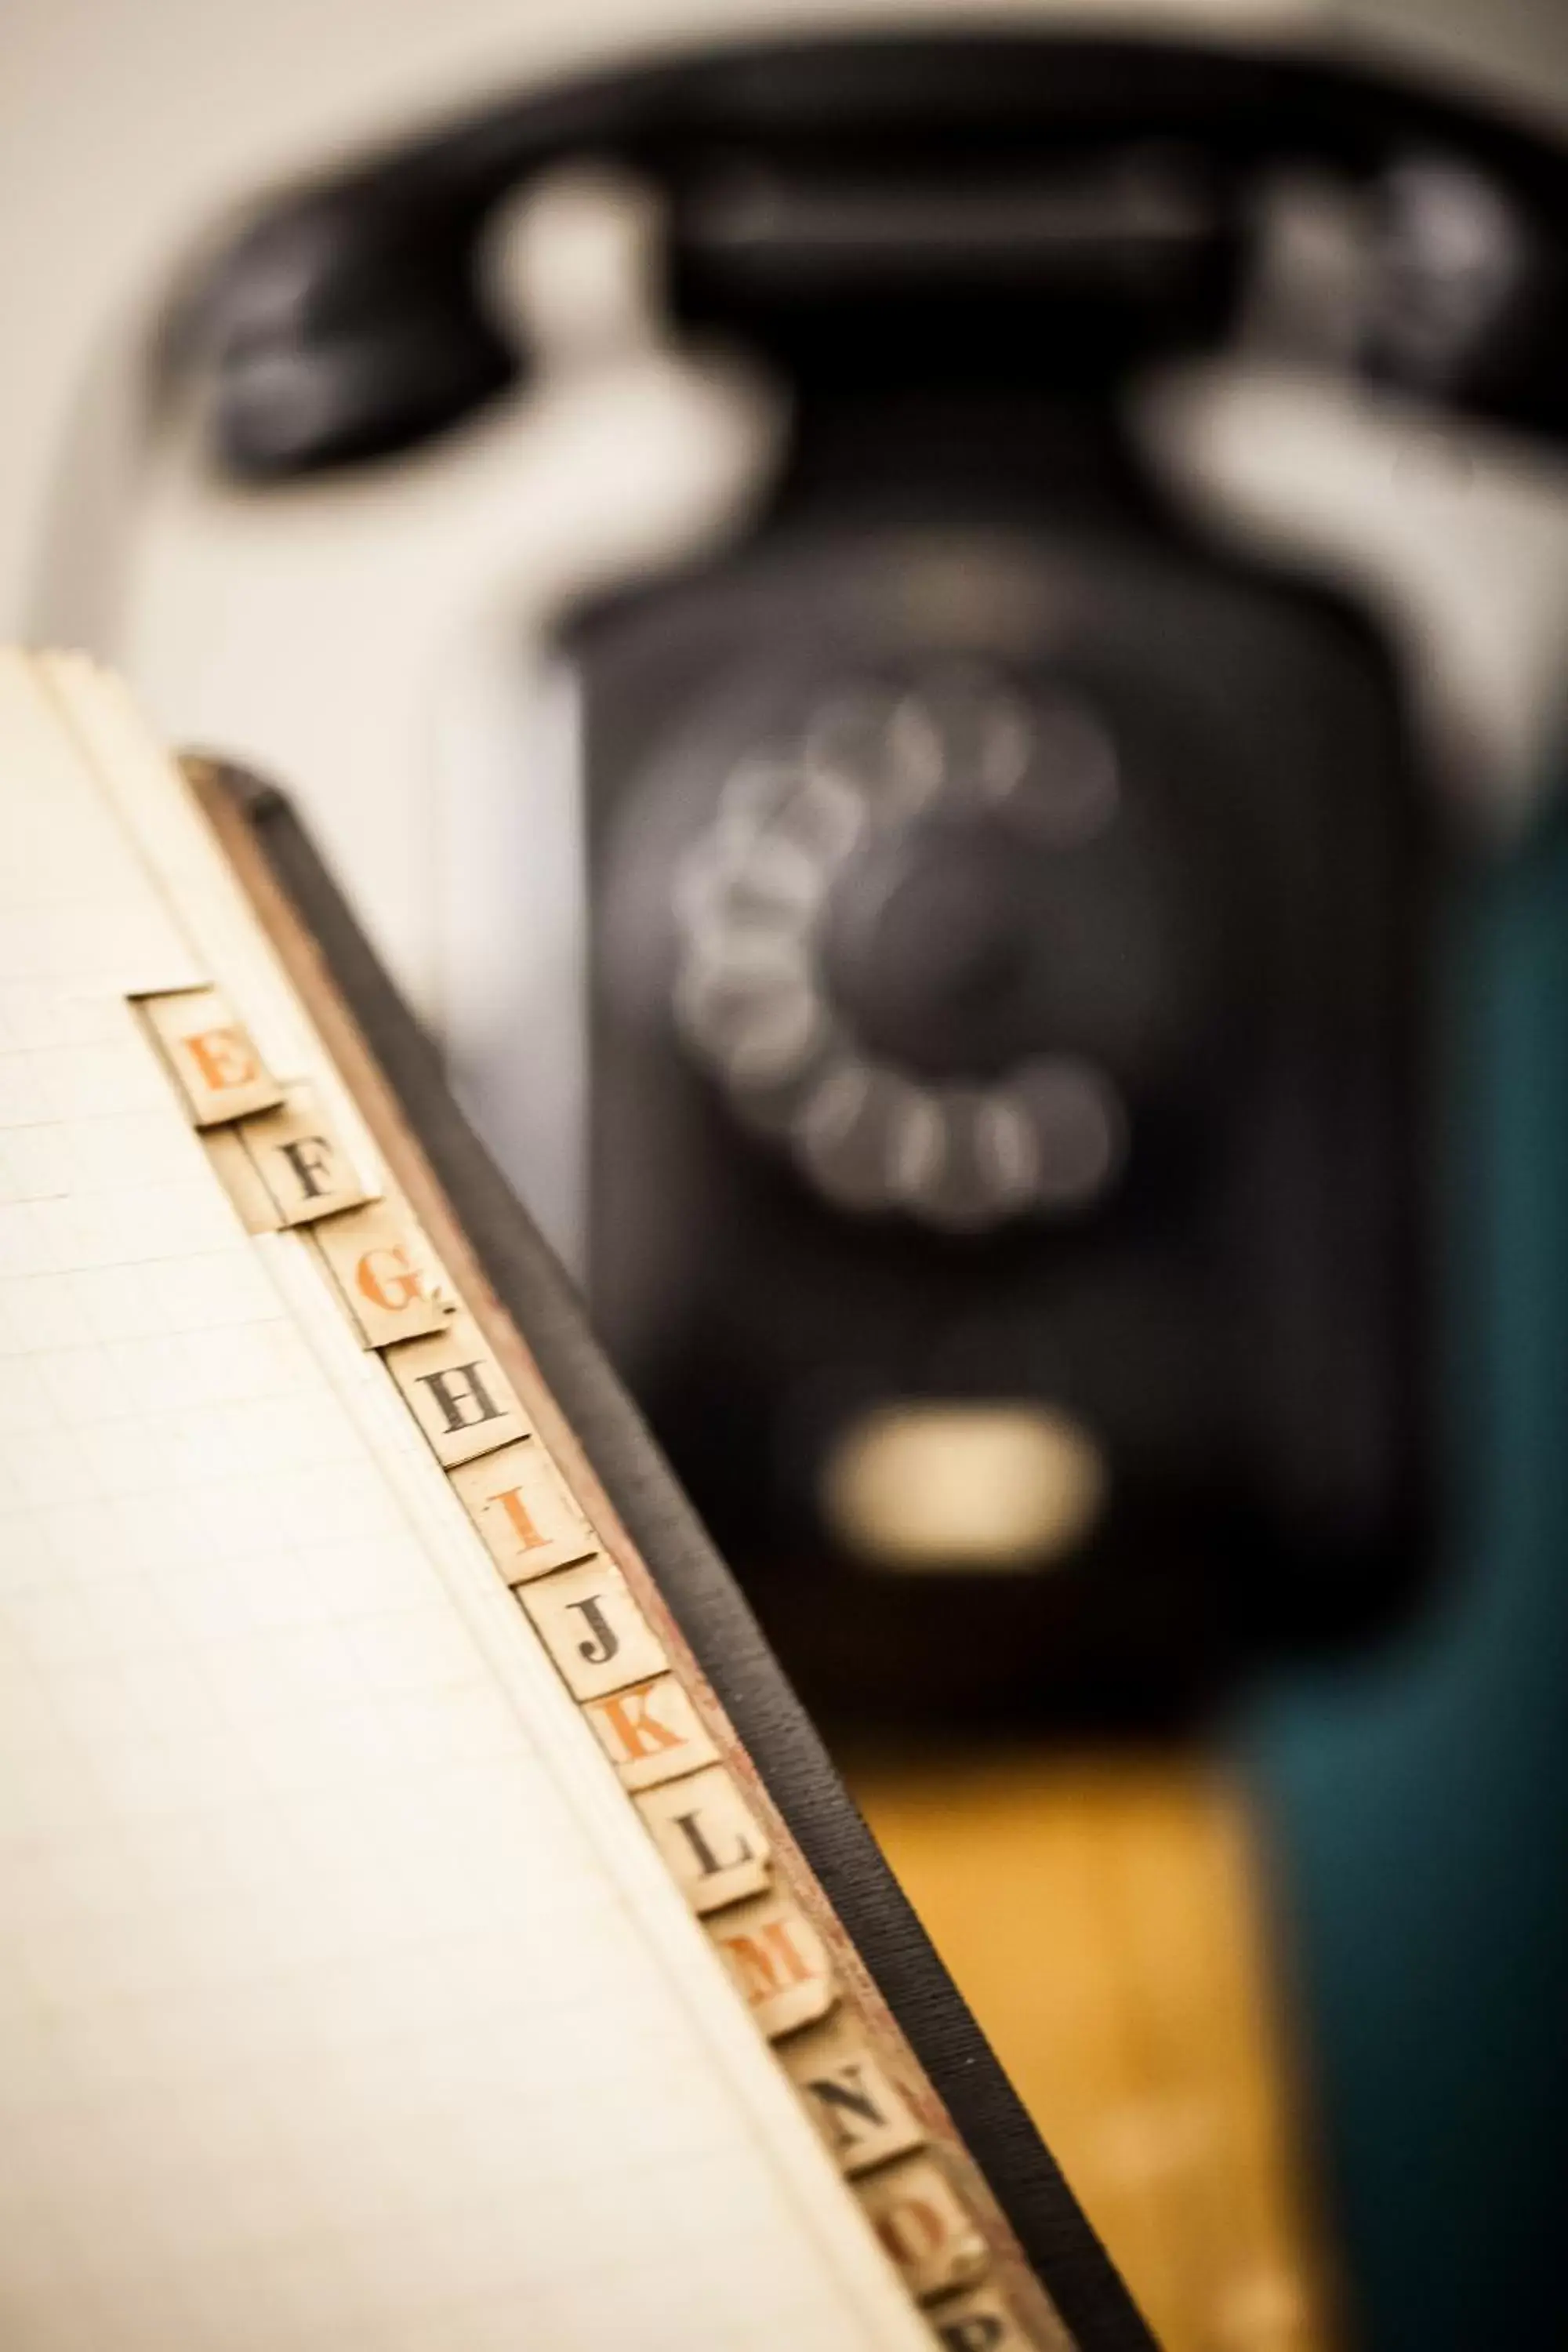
{"points": [[218, 1071], [520, 1504]]}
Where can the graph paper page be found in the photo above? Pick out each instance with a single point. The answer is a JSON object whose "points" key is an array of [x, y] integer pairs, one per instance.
{"points": [[345, 2006]]}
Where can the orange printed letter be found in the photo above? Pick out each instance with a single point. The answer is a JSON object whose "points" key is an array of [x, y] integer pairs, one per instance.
{"points": [[768, 1961], [912, 2230], [224, 1058], [523, 1527], [637, 1731], [387, 1278]]}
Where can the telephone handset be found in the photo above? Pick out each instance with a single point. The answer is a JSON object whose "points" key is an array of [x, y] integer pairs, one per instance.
{"points": [[1006, 203]]}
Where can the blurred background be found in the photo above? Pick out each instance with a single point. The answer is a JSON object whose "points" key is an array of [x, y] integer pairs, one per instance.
{"points": [[931, 642]]}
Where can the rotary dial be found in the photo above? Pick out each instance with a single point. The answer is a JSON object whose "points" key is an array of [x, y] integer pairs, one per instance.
{"points": [[862, 957]]}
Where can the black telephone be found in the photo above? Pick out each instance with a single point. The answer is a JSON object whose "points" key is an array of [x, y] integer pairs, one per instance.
{"points": [[1014, 916], [968, 756]]}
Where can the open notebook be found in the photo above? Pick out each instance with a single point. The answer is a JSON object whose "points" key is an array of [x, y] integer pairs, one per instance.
{"points": [[399, 1950]]}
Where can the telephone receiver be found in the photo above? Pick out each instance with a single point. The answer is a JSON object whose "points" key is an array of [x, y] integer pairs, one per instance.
{"points": [[953, 249], [1062, 207]]}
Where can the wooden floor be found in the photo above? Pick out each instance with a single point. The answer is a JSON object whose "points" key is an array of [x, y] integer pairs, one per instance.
{"points": [[1103, 1920]]}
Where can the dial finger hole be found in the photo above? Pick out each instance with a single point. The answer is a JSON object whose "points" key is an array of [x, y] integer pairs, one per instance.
{"points": [[1080, 1127], [756, 1028], [1069, 787], [848, 1131], [879, 741], [987, 1168], [984, 729]]}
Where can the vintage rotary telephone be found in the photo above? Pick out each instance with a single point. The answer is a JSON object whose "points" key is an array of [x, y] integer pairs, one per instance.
{"points": [[1027, 1004], [1012, 1088]]}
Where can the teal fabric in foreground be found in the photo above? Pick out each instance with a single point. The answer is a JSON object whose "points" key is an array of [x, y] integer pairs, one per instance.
{"points": [[1417, 1806]]}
